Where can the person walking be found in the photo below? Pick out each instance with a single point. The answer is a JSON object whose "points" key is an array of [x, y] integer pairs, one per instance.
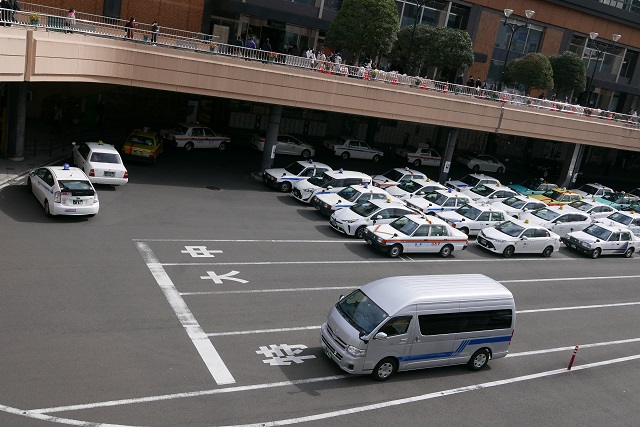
{"points": [[266, 45], [470, 82], [251, 44], [15, 7], [154, 32], [129, 27], [70, 21], [238, 43]]}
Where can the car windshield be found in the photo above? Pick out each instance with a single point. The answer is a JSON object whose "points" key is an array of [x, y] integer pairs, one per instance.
{"points": [[141, 140], [364, 209], [74, 185], [553, 194], [393, 175], [105, 158], [580, 205], [350, 194], [481, 190], [470, 180], [295, 168], [532, 184], [514, 202], [621, 218], [589, 189], [361, 312], [410, 186], [613, 197], [635, 192], [436, 198], [509, 228], [471, 212], [319, 180], [546, 214], [596, 231], [180, 130], [405, 225]]}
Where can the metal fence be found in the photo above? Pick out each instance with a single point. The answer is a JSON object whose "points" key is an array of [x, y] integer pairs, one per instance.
{"points": [[53, 19]]}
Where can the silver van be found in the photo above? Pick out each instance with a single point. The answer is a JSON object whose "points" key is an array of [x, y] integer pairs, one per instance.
{"points": [[414, 322]]}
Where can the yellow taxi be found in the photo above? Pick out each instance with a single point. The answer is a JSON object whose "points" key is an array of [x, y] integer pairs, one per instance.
{"points": [[143, 144], [558, 196]]}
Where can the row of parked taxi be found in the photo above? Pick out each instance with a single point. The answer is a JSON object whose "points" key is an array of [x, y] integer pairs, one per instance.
{"points": [[403, 211]]}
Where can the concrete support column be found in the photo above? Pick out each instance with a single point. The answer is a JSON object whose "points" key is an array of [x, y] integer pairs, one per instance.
{"points": [[571, 165], [17, 120], [445, 165], [271, 137]]}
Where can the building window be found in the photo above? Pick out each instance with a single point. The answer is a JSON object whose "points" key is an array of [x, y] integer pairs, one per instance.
{"points": [[525, 40], [577, 45], [333, 5], [605, 62], [629, 64], [111, 8], [458, 17]]}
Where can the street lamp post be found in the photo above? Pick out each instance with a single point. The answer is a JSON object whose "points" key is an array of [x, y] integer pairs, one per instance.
{"points": [[599, 48], [513, 26], [419, 5]]}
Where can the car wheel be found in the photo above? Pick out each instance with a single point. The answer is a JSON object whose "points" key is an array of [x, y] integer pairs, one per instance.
{"points": [[476, 168], [47, 212], [465, 230], [479, 360], [508, 251], [222, 146], [547, 251], [345, 156], [417, 162], [628, 253], [285, 187], [376, 159], [446, 251], [500, 170], [360, 232], [395, 251], [188, 146], [384, 369], [306, 154], [596, 253]]}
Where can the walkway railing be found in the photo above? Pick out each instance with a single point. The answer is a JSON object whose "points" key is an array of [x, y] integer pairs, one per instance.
{"points": [[52, 19]]}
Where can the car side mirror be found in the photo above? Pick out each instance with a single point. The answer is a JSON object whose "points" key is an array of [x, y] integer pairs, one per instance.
{"points": [[524, 238], [379, 217], [330, 187], [340, 297], [380, 336]]}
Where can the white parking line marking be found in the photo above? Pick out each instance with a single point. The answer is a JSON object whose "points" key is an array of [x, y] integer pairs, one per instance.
{"points": [[38, 413], [437, 394], [246, 240], [570, 278], [569, 348], [362, 261], [537, 310], [203, 344]]}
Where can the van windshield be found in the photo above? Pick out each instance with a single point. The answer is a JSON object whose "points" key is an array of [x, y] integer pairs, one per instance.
{"points": [[362, 313]]}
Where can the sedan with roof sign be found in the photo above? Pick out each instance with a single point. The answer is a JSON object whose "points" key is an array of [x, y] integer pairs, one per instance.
{"points": [[602, 239], [515, 236], [354, 220]]}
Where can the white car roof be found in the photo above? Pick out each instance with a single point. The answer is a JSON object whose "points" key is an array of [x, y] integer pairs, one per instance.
{"points": [[609, 227], [423, 219], [72, 172], [340, 173], [386, 203], [96, 146], [525, 224], [429, 181], [596, 185], [369, 189], [307, 163]]}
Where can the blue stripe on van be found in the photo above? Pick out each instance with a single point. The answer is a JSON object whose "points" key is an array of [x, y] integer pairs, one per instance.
{"points": [[459, 350]]}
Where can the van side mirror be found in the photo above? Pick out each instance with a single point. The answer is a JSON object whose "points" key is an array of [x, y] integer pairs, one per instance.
{"points": [[380, 336]]}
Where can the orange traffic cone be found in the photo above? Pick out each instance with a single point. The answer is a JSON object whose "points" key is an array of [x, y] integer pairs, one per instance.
{"points": [[610, 116], [423, 85], [395, 80], [446, 88], [504, 98]]}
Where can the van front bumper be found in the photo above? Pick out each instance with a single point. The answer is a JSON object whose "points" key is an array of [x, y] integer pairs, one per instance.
{"points": [[333, 350]]}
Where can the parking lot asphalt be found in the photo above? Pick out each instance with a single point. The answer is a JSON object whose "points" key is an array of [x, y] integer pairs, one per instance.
{"points": [[177, 303]]}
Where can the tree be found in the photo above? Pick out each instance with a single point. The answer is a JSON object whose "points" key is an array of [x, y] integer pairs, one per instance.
{"points": [[438, 47], [532, 71], [369, 26], [569, 72]]}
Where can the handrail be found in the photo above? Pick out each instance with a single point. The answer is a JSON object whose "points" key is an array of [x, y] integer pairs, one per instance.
{"points": [[204, 43]]}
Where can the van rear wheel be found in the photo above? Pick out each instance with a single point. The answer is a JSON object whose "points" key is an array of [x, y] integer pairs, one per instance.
{"points": [[384, 369], [479, 360]]}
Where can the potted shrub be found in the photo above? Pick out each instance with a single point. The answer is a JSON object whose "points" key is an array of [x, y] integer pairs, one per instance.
{"points": [[213, 47], [34, 19], [272, 56]]}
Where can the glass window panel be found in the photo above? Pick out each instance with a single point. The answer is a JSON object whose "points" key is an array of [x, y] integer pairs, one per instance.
{"points": [[611, 61], [577, 44], [458, 17], [333, 5], [629, 64], [409, 15]]}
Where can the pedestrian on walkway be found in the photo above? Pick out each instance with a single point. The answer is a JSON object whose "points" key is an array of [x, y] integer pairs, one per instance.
{"points": [[14, 8], [470, 82], [266, 45], [70, 21], [129, 27], [154, 32]]}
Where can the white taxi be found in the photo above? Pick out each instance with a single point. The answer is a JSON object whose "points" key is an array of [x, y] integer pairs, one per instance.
{"points": [[593, 208], [396, 176], [415, 233], [470, 180], [354, 220], [559, 219], [283, 178], [421, 155], [631, 220], [513, 236], [193, 135], [602, 239], [63, 190], [331, 202], [438, 201], [415, 188], [472, 218], [593, 190], [489, 193], [348, 148], [100, 162], [285, 144], [516, 205], [328, 182]]}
